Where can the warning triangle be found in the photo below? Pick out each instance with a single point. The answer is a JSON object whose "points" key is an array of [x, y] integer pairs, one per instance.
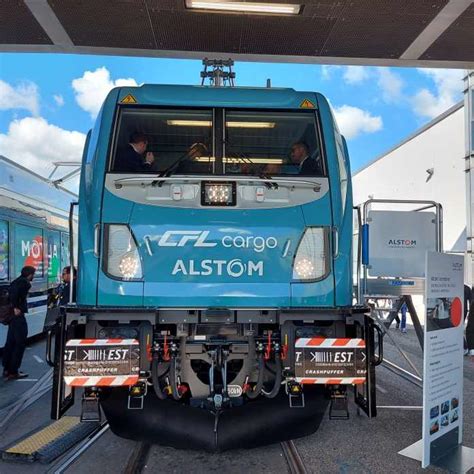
{"points": [[129, 99], [307, 104]]}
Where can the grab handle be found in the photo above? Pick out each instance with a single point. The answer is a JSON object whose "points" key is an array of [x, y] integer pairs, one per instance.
{"points": [[49, 345], [379, 357]]}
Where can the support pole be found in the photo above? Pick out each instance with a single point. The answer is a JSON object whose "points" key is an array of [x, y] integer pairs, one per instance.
{"points": [[469, 168], [414, 317]]}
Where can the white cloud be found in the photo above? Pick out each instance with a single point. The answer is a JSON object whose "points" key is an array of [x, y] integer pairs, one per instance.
{"points": [[353, 121], [59, 99], [390, 84], [327, 71], [92, 88], [23, 96], [355, 74], [36, 144], [448, 91]]}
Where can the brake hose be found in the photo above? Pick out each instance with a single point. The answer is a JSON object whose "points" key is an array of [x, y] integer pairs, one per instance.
{"points": [[278, 377], [255, 392], [156, 380], [173, 379]]}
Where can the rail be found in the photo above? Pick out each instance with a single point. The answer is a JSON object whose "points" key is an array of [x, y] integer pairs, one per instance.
{"points": [[80, 449]]}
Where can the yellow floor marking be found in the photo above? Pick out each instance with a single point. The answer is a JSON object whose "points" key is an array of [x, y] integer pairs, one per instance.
{"points": [[45, 436]]}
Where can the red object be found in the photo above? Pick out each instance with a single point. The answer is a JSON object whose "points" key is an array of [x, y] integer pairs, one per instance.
{"points": [[268, 350], [166, 350], [456, 312]]}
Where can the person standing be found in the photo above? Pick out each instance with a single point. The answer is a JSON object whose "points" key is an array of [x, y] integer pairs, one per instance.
{"points": [[469, 314], [403, 324], [64, 290], [18, 327]]}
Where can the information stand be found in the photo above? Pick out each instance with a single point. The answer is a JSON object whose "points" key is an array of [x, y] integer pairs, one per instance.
{"points": [[443, 367]]}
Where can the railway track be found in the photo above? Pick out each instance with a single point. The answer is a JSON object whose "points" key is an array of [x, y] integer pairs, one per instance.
{"points": [[77, 451], [138, 458], [293, 458]]}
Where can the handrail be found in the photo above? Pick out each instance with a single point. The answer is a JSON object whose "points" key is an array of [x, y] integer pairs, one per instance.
{"points": [[71, 247], [150, 179]]}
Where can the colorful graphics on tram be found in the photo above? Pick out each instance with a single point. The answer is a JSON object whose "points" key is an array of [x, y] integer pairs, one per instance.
{"points": [[54, 263], [4, 250], [28, 248]]}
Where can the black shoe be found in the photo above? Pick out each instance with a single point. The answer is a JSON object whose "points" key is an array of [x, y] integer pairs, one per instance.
{"points": [[5, 373], [19, 375]]}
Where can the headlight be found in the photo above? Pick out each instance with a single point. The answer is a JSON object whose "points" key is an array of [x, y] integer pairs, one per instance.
{"points": [[218, 194], [311, 262], [123, 259]]}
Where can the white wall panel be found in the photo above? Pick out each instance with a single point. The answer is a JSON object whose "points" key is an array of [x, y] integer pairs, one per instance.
{"points": [[402, 174]]}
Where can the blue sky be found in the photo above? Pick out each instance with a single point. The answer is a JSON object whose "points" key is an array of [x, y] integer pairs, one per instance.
{"points": [[49, 101]]}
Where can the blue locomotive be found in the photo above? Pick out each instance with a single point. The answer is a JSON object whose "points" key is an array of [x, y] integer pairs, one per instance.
{"points": [[215, 266]]}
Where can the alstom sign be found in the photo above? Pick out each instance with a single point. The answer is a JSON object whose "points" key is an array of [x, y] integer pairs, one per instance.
{"points": [[406, 243]]}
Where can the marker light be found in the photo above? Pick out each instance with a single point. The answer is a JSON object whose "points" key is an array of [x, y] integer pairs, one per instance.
{"points": [[189, 123], [123, 259], [247, 159], [218, 194], [311, 261], [245, 7], [250, 124], [208, 123]]}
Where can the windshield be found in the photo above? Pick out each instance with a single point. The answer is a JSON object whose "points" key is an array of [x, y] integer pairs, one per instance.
{"points": [[215, 141], [272, 143], [153, 141]]}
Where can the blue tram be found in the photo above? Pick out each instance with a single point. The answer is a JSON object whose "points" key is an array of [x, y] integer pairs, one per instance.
{"points": [[216, 276], [33, 231]]}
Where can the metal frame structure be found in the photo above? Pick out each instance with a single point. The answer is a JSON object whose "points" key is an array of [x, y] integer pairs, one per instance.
{"points": [[469, 166], [363, 268]]}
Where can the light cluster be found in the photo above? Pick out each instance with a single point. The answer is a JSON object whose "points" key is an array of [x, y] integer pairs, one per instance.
{"points": [[304, 268], [219, 193], [129, 266]]}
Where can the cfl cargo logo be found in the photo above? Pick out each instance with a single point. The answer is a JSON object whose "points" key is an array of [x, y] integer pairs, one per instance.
{"points": [[200, 238], [179, 238], [402, 243]]}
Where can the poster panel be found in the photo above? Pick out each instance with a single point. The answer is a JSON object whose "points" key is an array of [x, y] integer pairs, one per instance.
{"points": [[65, 257], [398, 242], [54, 256], [28, 249], [443, 355]]}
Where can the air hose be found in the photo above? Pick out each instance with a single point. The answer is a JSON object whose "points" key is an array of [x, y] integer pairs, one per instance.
{"points": [[174, 379], [255, 392], [278, 378], [156, 379]]}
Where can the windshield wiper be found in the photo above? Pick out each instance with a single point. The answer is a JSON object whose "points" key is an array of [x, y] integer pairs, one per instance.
{"points": [[261, 175], [196, 149]]}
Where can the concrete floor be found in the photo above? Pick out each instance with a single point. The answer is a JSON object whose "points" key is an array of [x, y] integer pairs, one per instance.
{"points": [[358, 445]]}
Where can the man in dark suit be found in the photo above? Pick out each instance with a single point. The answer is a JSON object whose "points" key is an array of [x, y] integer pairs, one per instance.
{"points": [[307, 166], [133, 158], [18, 327]]}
